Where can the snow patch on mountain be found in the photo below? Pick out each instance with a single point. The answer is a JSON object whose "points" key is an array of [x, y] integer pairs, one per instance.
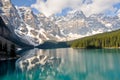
{"points": [[37, 29]]}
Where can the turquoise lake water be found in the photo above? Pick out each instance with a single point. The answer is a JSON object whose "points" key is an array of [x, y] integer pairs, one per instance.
{"points": [[64, 64]]}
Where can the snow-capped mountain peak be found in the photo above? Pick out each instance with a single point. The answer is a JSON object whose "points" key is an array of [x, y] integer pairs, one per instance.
{"points": [[76, 14], [35, 29], [76, 24]]}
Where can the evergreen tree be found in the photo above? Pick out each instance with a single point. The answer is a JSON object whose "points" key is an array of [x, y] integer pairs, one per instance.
{"points": [[5, 48], [12, 51], [110, 39], [0, 46]]}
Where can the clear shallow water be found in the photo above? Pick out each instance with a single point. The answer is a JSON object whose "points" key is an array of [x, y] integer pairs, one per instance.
{"points": [[64, 64]]}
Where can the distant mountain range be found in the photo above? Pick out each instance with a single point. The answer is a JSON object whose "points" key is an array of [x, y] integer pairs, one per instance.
{"points": [[34, 29]]}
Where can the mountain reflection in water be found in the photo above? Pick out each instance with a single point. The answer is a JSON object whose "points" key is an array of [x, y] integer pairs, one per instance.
{"points": [[66, 64], [38, 64]]}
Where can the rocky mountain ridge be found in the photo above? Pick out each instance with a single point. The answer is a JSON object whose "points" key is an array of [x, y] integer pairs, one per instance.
{"points": [[35, 29]]}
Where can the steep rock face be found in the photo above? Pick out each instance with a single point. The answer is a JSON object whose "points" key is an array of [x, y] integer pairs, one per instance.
{"points": [[4, 31], [112, 23], [9, 14], [9, 36], [34, 29], [28, 17], [12, 20], [71, 24], [38, 27], [75, 25]]}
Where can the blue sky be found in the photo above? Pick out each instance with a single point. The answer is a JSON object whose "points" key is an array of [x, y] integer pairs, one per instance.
{"points": [[62, 10], [23, 2], [27, 3], [117, 5]]}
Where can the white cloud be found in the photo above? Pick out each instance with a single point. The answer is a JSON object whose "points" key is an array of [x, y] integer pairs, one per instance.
{"points": [[98, 6], [56, 6]]}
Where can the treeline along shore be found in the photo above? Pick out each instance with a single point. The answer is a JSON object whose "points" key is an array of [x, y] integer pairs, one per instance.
{"points": [[7, 50], [103, 40]]}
